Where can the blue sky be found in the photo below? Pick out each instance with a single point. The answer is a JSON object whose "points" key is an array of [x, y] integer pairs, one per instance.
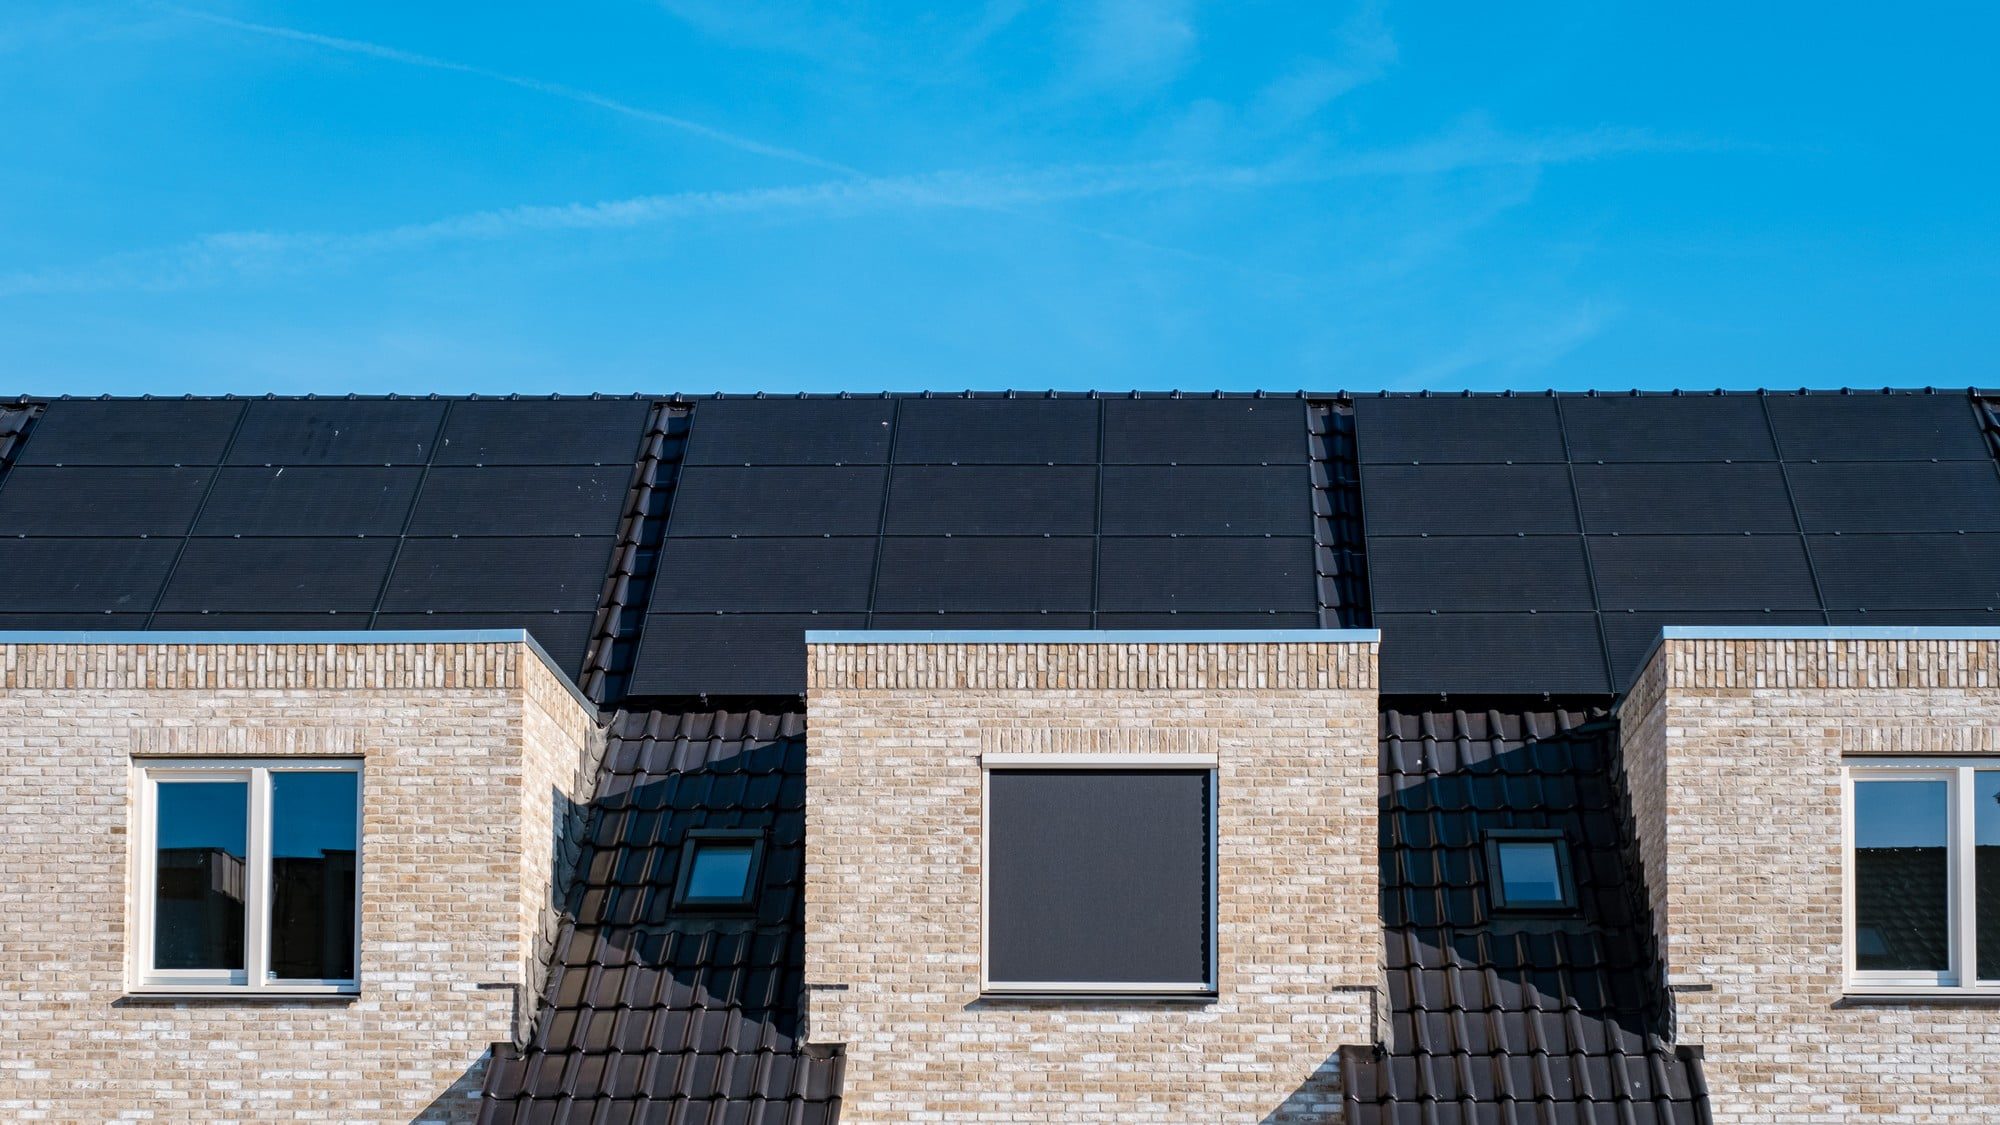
{"points": [[695, 195]]}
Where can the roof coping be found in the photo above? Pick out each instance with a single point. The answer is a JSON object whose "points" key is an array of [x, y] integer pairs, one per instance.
{"points": [[1090, 636], [301, 637]]}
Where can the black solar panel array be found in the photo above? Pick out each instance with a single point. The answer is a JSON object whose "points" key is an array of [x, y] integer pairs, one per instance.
{"points": [[1538, 543], [973, 512], [327, 513]]}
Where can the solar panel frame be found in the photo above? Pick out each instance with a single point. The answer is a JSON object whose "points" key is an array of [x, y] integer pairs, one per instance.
{"points": [[337, 432], [1494, 573], [997, 431], [1207, 499], [509, 500], [1453, 499], [92, 500], [984, 574], [1156, 574], [1221, 431], [1485, 429], [131, 432], [778, 500], [789, 431], [929, 500], [765, 575], [308, 501]]}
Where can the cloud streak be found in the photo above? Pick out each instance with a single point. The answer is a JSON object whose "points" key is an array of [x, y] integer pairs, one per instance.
{"points": [[217, 257], [552, 89]]}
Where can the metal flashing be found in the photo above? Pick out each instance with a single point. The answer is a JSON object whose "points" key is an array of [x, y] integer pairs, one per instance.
{"points": [[1090, 636]]}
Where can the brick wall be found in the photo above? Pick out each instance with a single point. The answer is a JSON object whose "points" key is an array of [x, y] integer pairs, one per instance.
{"points": [[473, 753], [1733, 751], [893, 878]]}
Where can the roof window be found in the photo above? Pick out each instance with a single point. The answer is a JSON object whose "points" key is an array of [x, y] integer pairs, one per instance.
{"points": [[719, 869], [1528, 869]]}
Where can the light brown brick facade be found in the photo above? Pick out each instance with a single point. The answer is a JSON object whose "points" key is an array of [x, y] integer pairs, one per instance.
{"points": [[1733, 751], [474, 754], [893, 907]]}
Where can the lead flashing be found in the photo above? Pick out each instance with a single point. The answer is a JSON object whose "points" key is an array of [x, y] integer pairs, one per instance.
{"points": [[302, 637], [1092, 636]]}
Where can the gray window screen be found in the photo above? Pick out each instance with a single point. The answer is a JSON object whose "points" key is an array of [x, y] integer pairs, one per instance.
{"points": [[1098, 877]]}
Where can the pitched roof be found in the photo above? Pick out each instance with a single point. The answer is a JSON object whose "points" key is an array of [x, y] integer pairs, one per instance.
{"points": [[655, 1014], [1498, 1018]]}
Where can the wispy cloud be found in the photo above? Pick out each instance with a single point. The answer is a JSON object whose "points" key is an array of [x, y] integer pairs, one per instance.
{"points": [[213, 258], [552, 89], [1521, 344], [1365, 51], [1134, 43]]}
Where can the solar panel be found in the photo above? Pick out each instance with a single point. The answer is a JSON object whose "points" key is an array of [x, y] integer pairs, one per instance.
{"points": [[1631, 635], [728, 654], [963, 621], [1207, 499], [83, 575], [573, 431], [992, 500], [70, 622], [1485, 429], [986, 431], [1878, 572], [1963, 618], [309, 501], [781, 500], [791, 431], [337, 432], [1897, 496], [278, 575], [1702, 572], [1685, 499], [1222, 431], [476, 575], [131, 432], [1192, 575], [94, 500], [564, 636], [775, 575], [1667, 428], [1198, 621], [259, 622], [543, 500], [1467, 499], [984, 575], [1467, 573], [1559, 653], [1876, 427]]}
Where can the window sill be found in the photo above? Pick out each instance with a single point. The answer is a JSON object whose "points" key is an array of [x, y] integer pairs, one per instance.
{"points": [[1097, 996], [1867, 997], [144, 994]]}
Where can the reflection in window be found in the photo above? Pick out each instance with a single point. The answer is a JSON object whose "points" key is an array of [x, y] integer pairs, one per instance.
{"points": [[1902, 875], [202, 853], [312, 874], [1530, 872], [1986, 869], [719, 869]]}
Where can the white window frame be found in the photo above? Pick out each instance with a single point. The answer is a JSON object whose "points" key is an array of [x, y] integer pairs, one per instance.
{"points": [[1959, 977], [254, 978], [1083, 989]]}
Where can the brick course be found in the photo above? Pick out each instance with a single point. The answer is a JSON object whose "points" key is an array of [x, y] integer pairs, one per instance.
{"points": [[1733, 751], [893, 880], [473, 754]]}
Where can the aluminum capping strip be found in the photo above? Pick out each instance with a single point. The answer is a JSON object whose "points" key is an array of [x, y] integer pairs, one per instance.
{"points": [[299, 637], [1091, 636]]}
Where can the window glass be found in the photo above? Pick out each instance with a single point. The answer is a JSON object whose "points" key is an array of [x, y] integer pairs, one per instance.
{"points": [[720, 871], [312, 874], [200, 862], [1902, 876], [1986, 869], [1530, 873]]}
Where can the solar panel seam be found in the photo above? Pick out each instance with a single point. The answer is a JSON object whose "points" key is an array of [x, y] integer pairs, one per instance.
{"points": [[882, 516], [215, 474], [1589, 565], [1791, 498], [410, 514], [1097, 529]]}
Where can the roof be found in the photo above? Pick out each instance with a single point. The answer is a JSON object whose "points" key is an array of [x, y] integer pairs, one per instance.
{"points": [[1498, 1018], [677, 548], [654, 1015]]}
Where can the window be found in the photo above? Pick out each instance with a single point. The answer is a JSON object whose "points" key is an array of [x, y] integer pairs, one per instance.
{"points": [[719, 869], [1099, 879], [1923, 876], [1528, 869], [248, 876]]}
